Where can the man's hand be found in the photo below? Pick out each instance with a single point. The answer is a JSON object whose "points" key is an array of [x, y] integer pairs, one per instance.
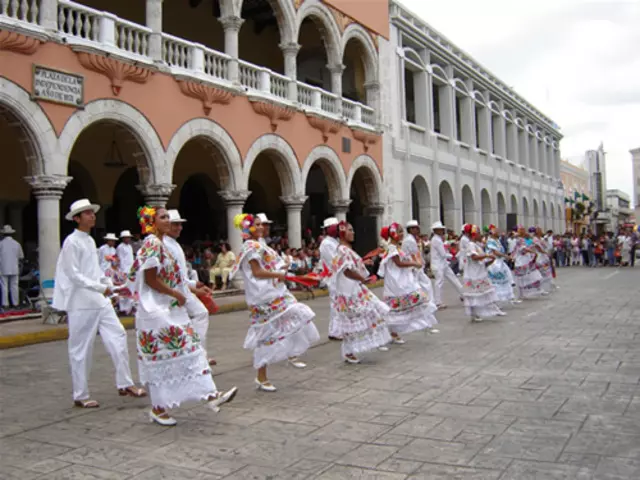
{"points": [[107, 292]]}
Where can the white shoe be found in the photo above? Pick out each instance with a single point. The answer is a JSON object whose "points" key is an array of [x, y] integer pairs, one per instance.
{"points": [[223, 397], [383, 348], [165, 422], [501, 314], [516, 302], [398, 341], [477, 319], [433, 330], [297, 363], [352, 360], [265, 386]]}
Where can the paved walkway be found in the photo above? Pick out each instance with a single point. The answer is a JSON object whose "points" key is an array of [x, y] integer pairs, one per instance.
{"points": [[550, 392]]}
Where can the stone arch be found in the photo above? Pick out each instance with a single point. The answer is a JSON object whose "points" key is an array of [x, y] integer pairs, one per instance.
{"points": [[328, 160], [285, 162], [560, 220], [356, 32], [420, 201], [372, 178], [285, 14], [447, 204], [513, 204], [468, 205], [545, 215], [536, 213], [129, 118], [217, 137], [502, 212], [526, 214], [326, 24], [32, 127], [485, 207]]}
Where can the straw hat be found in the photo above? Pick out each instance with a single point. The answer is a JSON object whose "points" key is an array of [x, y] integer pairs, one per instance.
{"points": [[80, 206]]}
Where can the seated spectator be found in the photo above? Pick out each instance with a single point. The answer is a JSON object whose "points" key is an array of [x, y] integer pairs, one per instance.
{"points": [[222, 267]]}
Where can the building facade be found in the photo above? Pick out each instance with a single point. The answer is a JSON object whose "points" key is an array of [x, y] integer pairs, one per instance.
{"points": [[619, 210], [460, 146], [211, 107], [635, 159], [577, 197]]}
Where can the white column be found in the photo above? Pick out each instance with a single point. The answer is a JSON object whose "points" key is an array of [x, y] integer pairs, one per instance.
{"points": [[234, 200], [484, 129], [336, 84], [154, 22], [467, 117], [372, 90], [293, 205], [447, 110], [499, 134], [231, 25], [523, 147], [156, 195], [340, 209], [48, 191], [290, 51], [375, 210], [512, 143], [48, 14]]}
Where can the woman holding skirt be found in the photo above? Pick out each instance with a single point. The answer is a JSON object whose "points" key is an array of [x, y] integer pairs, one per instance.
{"points": [[528, 278], [171, 360], [281, 327], [499, 272], [479, 294], [359, 314], [411, 309]]}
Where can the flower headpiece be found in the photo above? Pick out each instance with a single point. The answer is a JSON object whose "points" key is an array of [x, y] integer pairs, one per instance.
{"points": [[466, 228], [342, 229], [245, 222], [390, 232], [147, 219], [492, 228], [532, 229]]}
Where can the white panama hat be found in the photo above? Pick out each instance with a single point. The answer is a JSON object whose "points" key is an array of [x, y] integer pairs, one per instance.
{"points": [[125, 234], [174, 217], [111, 236], [328, 222], [438, 226], [263, 218], [7, 230], [80, 206], [413, 223]]}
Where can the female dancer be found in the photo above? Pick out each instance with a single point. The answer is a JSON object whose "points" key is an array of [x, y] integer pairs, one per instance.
{"points": [[281, 328], [411, 309], [543, 260], [359, 314], [499, 272], [479, 294], [171, 360], [527, 277]]}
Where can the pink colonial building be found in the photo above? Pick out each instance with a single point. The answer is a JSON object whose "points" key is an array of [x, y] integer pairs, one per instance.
{"points": [[210, 106]]}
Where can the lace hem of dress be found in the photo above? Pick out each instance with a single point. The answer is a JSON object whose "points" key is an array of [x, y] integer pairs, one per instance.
{"points": [[484, 311], [480, 299], [418, 318], [291, 346], [194, 389], [504, 292], [360, 319], [174, 370], [376, 336], [282, 325]]}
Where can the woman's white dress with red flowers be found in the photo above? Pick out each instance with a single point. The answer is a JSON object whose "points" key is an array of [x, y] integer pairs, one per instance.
{"points": [[500, 273], [171, 361], [525, 272], [477, 290], [281, 327], [411, 309], [359, 314]]}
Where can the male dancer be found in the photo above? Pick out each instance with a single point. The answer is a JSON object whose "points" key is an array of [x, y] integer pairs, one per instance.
{"points": [[126, 257], [195, 309], [328, 248], [440, 265], [81, 289]]}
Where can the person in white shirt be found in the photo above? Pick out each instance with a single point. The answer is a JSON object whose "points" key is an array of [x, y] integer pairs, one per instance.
{"points": [[440, 264], [82, 290], [196, 310], [11, 256], [107, 251], [462, 250], [125, 257], [328, 250]]}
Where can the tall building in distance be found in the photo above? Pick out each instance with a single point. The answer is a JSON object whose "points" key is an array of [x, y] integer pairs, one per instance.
{"points": [[577, 190], [596, 164], [635, 158]]}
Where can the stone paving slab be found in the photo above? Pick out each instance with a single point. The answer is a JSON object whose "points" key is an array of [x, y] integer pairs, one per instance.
{"points": [[549, 392]]}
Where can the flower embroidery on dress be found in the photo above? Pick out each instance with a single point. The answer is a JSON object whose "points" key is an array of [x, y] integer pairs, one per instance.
{"points": [[260, 314], [477, 286], [407, 302], [166, 343]]}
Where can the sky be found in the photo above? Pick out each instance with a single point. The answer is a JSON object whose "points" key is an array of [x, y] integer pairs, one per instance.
{"points": [[577, 61]]}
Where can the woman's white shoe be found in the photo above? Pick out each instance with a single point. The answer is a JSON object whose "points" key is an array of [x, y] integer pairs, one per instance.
{"points": [[265, 386], [223, 397], [398, 340], [352, 360], [164, 421], [383, 348], [297, 363]]}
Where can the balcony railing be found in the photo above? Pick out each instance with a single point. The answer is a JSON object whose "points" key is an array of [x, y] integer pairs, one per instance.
{"points": [[79, 25]]}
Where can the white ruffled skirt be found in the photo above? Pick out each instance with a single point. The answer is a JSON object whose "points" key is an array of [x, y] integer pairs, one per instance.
{"points": [[480, 297], [502, 280], [360, 321], [171, 361], [410, 313], [280, 329], [528, 280]]}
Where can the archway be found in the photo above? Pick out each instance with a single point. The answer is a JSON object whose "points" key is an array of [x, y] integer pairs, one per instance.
{"points": [[536, 213], [545, 217], [108, 155], [554, 224], [200, 171], [323, 190], [485, 201], [420, 201], [359, 56], [502, 212], [365, 198], [526, 216], [447, 205], [468, 206]]}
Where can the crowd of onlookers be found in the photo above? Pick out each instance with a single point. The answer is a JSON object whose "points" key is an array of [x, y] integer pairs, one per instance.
{"points": [[592, 250]]}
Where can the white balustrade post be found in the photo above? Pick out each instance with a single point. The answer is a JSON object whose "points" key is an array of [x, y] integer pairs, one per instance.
{"points": [[336, 84], [357, 113], [48, 14], [154, 22], [107, 30], [48, 191], [264, 81], [290, 51], [197, 58], [231, 26]]}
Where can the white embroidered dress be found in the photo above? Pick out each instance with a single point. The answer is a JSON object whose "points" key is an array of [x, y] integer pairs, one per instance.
{"points": [[528, 278], [171, 360], [500, 273], [543, 262], [281, 327], [359, 314], [411, 309], [411, 248], [479, 294]]}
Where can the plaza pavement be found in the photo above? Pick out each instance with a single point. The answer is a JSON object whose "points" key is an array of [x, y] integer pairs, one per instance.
{"points": [[552, 391]]}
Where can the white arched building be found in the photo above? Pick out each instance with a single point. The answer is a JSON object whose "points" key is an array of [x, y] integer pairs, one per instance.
{"points": [[459, 145]]}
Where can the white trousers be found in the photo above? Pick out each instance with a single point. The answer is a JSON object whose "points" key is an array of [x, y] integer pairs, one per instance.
{"points": [[10, 284], [440, 274], [83, 327], [199, 316]]}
